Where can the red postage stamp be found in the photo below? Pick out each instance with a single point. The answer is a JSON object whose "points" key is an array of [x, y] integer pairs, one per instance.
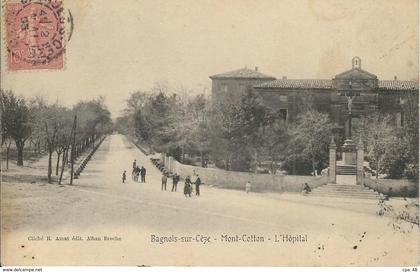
{"points": [[34, 34]]}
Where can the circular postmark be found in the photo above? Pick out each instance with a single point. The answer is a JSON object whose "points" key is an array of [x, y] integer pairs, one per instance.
{"points": [[35, 31]]}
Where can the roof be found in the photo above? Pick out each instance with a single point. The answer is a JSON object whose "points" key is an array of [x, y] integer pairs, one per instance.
{"points": [[398, 85], [355, 73], [326, 84], [243, 73], [297, 84]]}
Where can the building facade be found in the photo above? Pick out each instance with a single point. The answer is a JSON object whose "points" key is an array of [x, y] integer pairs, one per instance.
{"points": [[355, 89]]}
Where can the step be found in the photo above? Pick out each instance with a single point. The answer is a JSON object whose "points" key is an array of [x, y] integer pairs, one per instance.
{"points": [[344, 192], [329, 189], [347, 196], [361, 191], [343, 189]]}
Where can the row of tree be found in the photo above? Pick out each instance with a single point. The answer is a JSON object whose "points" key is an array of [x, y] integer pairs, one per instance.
{"points": [[235, 137], [249, 136], [50, 128]]}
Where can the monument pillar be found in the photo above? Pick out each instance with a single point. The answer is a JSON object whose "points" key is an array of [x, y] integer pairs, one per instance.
{"points": [[349, 152], [359, 164], [333, 158]]}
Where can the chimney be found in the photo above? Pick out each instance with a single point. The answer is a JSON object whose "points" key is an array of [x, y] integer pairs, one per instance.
{"points": [[256, 68], [395, 77], [284, 77]]}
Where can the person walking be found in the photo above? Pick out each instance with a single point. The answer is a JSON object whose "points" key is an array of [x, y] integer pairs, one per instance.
{"points": [[187, 187], [197, 185], [164, 180], [175, 179], [143, 174], [124, 176]]}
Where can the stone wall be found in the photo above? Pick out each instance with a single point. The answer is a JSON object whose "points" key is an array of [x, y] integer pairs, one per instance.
{"points": [[393, 187], [235, 88], [237, 180]]}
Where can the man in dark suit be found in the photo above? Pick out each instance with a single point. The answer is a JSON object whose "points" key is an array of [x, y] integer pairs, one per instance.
{"points": [[143, 174], [175, 179]]}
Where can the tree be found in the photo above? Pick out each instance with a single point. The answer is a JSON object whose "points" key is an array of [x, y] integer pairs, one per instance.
{"points": [[311, 135], [192, 125], [377, 134], [15, 121], [275, 138], [7, 142], [242, 133], [94, 119], [37, 108]]}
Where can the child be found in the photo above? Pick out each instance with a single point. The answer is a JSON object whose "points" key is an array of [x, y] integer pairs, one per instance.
{"points": [[248, 187], [124, 177]]}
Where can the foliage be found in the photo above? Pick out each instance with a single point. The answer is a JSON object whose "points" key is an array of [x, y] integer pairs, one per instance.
{"points": [[15, 121], [392, 150], [309, 140], [167, 122]]}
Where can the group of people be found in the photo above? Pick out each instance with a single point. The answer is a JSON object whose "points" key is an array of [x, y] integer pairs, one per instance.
{"points": [[141, 171], [136, 173], [187, 184]]}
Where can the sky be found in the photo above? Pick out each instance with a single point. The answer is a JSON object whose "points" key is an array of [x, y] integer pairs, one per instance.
{"points": [[121, 46]]}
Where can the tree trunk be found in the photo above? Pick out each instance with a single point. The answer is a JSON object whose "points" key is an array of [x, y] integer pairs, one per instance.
{"points": [[49, 165], [273, 168], [313, 165], [256, 161], [7, 157], [63, 163], [58, 163], [19, 147], [377, 168]]}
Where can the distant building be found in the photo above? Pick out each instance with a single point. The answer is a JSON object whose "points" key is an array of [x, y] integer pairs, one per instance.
{"points": [[230, 86], [291, 96]]}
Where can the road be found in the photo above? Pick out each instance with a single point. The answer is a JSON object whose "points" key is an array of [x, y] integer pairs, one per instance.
{"points": [[134, 215]]}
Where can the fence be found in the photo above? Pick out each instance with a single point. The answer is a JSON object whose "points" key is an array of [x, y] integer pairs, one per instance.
{"points": [[86, 159]]}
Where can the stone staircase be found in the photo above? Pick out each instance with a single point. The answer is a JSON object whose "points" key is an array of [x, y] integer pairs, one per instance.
{"points": [[345, 191], [346, 170]]}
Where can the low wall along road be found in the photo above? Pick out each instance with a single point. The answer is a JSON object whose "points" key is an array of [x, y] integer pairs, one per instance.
{"points": [[237, 180]]}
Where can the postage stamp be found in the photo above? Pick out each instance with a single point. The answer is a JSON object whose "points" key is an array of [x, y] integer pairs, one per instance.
{"points": [[34, 34]]}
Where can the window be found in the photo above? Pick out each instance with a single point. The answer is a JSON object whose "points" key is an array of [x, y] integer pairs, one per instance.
{"points": [[400, 119], [283, 98], [224, 88], [283, 114]]}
